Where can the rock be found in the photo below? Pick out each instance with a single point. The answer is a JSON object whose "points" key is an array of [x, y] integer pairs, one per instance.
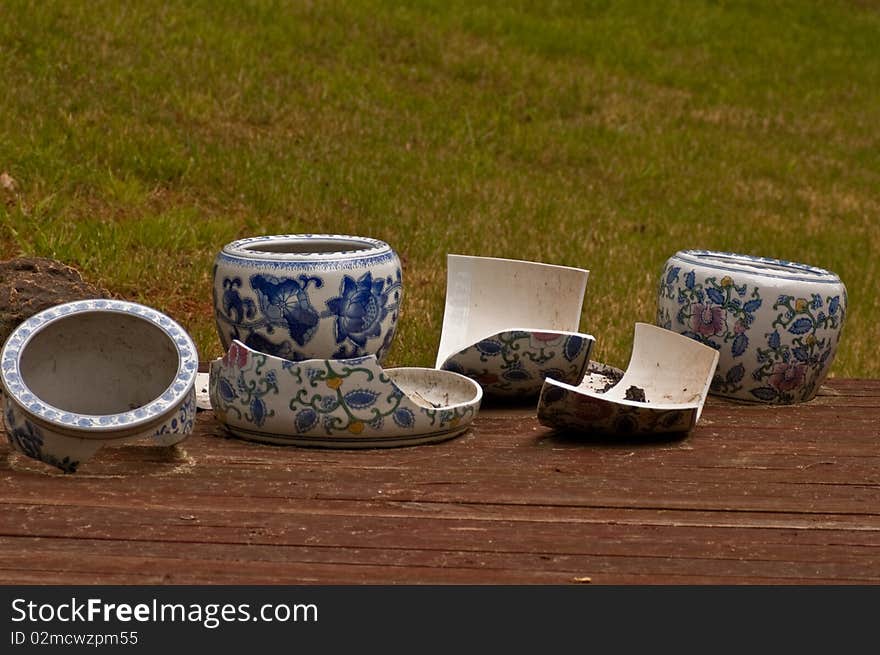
{"points": [[635, 393], [31, 284], [7, 182]]}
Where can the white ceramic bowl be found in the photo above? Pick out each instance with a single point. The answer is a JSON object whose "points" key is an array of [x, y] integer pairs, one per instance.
{"points": [[351, 403], [308, 296], [96, 372], [775, 324]]}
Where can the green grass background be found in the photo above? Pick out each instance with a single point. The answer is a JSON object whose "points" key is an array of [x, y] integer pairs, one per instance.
{"points": [[606, 135]]}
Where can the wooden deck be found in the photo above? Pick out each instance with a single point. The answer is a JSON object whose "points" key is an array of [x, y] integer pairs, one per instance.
{"points": [[754, 494]]}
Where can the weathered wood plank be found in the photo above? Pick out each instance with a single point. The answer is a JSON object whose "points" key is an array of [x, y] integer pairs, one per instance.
{"points": [[585, 491], [355, 567], [385, 541], [858, 528], [754, 494], [341, 575]]}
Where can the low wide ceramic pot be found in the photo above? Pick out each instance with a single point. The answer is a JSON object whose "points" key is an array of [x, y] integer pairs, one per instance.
{"points": [[775, 324], [308, 296], [92, 373], [339, 403]]}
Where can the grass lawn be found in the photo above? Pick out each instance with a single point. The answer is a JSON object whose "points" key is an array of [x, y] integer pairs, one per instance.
{"points": [[607, 135]]}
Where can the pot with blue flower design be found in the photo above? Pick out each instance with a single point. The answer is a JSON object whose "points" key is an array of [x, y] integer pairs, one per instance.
{"points": [[308, 296], [93, 373], [338, 403], [776, 324]]}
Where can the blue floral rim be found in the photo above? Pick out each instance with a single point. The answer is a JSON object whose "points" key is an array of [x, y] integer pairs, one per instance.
{"points": [[188, 364], [249, 248], [346, 263], [764, 266]]}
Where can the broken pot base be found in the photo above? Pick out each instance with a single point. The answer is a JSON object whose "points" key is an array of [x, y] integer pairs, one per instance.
{"points": [[671, 372]]}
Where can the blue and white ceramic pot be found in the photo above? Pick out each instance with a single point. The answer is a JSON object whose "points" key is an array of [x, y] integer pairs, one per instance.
{"points": [[308, 296], [92, 373], [339, 403], [776, 324]]}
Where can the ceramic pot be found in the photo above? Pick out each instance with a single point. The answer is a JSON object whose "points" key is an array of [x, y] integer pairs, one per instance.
{"points": [[663, 390], [514, 363], [308, 296], [90, 373], [775, 324], [349, 403], [510, 323]]}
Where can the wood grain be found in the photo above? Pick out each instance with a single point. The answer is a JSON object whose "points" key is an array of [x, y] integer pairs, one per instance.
{"points": [[754, 495]]}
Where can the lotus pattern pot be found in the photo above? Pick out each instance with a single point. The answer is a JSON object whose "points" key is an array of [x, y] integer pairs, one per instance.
{"points": [[308, 296]]}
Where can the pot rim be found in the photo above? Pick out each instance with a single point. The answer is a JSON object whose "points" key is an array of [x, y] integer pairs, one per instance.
{"points": [[760, 266], [525, 263], [158, 408], [350, 247]]}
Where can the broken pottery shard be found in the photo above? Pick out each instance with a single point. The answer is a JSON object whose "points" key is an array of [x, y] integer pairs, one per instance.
{"points": [[31, 284]]}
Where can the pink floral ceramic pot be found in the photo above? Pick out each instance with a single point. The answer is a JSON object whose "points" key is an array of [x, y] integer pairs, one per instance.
{"points": [[775, 324], [308, 296]]}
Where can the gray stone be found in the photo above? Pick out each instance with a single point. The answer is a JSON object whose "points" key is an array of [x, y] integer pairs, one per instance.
{"points": [[31, 284]]}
